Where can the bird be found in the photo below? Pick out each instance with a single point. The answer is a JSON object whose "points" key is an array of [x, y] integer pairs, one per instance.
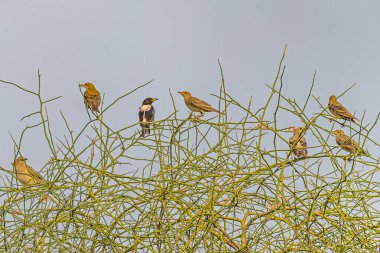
{"points": [[197, 105], [347, 143], [91, 96], [26, 174], [146, 115], [298, 143], [339, 111]]}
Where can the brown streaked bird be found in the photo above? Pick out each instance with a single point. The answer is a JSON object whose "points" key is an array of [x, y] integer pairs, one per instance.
{"points": [[197, 105], [26, 174], [146, 115], [347, 143], [298, 143], [91, 96], [339, 111]]}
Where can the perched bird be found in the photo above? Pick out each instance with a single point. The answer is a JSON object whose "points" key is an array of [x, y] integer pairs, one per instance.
{"points": [[26, 174], [338, 110], [92, 97], [347, 143], [298, 143], [196, 104], [146, 115]]}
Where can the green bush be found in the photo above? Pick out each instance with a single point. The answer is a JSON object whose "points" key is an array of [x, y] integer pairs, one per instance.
{"points": [[216, 185]]}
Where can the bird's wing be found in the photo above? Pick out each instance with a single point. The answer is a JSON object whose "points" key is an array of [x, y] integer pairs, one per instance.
{"points": [[141, 115], [303, 144], [346, 140], [347, 143], [201, 104], [149, 114], [34, 174], [340, 110]]}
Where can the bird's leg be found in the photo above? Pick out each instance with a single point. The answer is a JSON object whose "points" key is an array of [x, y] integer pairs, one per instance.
{"points": [[200, 115]]}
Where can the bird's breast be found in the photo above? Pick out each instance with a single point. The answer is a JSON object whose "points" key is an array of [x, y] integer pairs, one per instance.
{"points": [[145, 108]]}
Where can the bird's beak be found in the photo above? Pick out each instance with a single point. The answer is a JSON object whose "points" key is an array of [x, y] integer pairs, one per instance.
{"points": [[154, 99], [334, 132], [81, 85]]}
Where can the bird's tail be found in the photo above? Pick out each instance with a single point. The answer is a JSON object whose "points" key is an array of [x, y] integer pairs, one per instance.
{"points": [[215, 110], [364, 152]]}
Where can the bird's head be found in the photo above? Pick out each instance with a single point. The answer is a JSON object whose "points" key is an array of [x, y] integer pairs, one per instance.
{"points": [[297, 130], [332, 99], [19, 160], [185, 94], [337, 132], [87, 86], [149, 101]]}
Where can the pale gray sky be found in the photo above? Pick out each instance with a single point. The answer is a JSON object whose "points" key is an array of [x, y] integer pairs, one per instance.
{"points": [[118, 45]]}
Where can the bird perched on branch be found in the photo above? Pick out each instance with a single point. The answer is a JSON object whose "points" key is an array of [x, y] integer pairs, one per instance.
{"points": [[91, 96], [298, 143], [26, 174], [146, 115], [347, 143], [197, 105], [339, 111]]}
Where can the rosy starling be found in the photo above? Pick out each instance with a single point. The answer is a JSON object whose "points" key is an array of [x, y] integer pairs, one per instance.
{"points": [[26, 174], [146, 115], [347, 143], [91, 97], [197, 105], [339, 111], [298, 143]]}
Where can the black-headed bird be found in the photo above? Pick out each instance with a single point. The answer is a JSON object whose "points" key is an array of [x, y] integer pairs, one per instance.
{"points": [[26, 174], [197, 105], [339, 111], [91, 97], [298, 143], [146, 115], [347, 143]]}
